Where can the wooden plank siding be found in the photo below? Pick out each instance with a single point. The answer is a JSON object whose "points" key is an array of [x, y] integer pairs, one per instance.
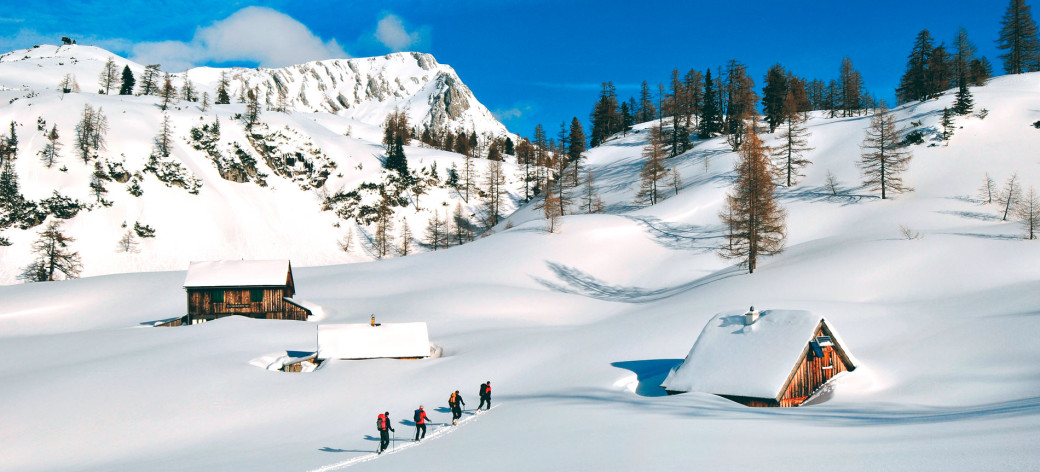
{"points": [[237, 301], [808, 375]]}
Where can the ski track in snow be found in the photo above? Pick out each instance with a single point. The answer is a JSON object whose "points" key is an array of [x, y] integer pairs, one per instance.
{"points": [[444, 430]]}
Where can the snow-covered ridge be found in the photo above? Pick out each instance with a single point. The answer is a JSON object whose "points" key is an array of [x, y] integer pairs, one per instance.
{"points": [[365, 89]]}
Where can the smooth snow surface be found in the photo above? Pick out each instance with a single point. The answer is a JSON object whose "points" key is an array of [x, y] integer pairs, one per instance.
{"points": [[577, 329], [731, 358], [364, 341], [237, 273]]}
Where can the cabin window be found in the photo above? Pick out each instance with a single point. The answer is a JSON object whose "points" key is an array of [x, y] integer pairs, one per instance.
{"points": [[216, 296], [256, 295]]}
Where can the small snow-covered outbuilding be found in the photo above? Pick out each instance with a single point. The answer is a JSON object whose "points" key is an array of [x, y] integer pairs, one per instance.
{"points": [[370, 341], [257, 289], [776, 358]]}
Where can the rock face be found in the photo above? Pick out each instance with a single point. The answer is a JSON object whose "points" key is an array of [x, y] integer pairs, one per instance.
{"points": [[367, 89]]}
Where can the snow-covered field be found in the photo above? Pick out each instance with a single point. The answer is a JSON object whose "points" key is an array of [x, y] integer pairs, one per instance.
{"points": [[576, 329]]}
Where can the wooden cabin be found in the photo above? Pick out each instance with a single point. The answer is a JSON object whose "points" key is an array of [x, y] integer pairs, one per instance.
{"points": [[257, 289], [779, 358]]}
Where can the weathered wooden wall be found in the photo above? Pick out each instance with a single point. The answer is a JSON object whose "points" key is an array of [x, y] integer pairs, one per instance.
{"points": [[237, 302], [812, 373]]}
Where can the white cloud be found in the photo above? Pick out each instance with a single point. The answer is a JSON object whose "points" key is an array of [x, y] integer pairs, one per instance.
{"points": [[390, 31], [255, 34], [508, 114]]}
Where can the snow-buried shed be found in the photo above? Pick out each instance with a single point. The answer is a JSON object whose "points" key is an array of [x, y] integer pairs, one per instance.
{"points": [[371, 341], [776, 358], [257, 289]]}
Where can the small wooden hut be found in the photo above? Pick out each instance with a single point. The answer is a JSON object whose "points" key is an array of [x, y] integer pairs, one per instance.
{"points": [[776, 358], [257, 289]]}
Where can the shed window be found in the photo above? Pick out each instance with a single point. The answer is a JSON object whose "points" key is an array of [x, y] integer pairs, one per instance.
{"points": [[216, 296], [256, 295]]}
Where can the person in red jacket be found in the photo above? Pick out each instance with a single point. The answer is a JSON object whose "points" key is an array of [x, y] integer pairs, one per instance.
{"points": [[420, 422], [383, 424]]}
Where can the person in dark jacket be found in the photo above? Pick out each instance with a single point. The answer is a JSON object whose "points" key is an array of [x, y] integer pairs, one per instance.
{"points": [[456, 404], [384, 427], [420, 422], [485, 395]]}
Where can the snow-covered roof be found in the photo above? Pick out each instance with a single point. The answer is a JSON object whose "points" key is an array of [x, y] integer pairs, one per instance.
{"points": [[730, 358], [363, 341], [237, 273]]}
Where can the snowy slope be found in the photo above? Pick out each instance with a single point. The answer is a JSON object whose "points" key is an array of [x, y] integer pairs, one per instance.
{"points": [[277, 214], [576, 329]]}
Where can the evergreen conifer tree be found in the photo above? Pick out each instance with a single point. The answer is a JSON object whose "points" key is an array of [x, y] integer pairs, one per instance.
{"points": [[1018, 36], [794, 143], [223, 97], [711, 115], [964, 102], [127, 87]]}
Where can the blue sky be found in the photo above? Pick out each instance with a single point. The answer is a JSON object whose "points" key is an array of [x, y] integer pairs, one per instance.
{"points": [[529, 61]]}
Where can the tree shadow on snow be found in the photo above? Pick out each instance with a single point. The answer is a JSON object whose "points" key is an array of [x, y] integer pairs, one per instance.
{"points": [[700, 239], [649, 374], [576, 282], [972, 215], [823, 194]]}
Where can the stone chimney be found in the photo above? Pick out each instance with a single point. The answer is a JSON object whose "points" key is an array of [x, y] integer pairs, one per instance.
{"points": [[750, 317]]}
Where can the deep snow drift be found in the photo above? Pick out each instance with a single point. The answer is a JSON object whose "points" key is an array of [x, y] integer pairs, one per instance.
{"points": [[576, 329]]}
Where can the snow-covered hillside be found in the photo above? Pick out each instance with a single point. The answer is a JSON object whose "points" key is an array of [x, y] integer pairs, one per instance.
{"points": [[241, 193], [576, 329]]}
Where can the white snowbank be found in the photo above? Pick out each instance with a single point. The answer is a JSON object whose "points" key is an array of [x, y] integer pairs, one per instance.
{"points": [[363, 341]]}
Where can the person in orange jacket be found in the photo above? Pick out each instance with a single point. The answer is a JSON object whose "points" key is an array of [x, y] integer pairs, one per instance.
{"points": [[455, 403], [485, 395], [420, 422]]}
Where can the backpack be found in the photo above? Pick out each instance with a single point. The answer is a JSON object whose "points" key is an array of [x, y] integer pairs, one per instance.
{"points": [[418, 414], [451, 400], [483, 389], [381, 423]]}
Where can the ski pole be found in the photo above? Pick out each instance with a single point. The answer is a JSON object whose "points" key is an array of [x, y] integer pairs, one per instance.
{"points": [[394, 448]]}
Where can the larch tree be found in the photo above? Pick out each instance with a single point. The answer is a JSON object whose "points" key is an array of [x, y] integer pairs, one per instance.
{"points": [[128, 243], [223, 96], [108, 76], [755, 221], [653, 172], [149, 80], [204, 106], [90, 132], [164, 138], [68, 84], [97, 184], [851, 88], [1018, 37], [188, 92], [884, 157], [1011, 196], [405, 247], [789, 155], [963, 54], [1029, 213], [53, 256], [435, 234], [741, 113], [988, 191], [494, 192], [51, 149], [252, 114], [647, 110], [167, 92], [382, 239], [590, 199]]}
